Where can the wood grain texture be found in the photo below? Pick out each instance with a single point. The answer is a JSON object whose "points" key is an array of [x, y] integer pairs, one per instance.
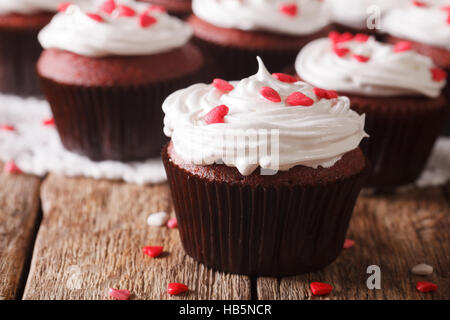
{"points": [[91, 239], [394, 232], [19, 206]]}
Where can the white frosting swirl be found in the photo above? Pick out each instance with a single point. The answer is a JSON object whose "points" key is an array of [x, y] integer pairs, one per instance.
{"points": [[74, 31], [386, 73], [421, 24], [355, 13], [318, 135], [29, 6], [312, 15]]}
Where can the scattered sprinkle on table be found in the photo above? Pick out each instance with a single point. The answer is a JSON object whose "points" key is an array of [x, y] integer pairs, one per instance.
{"points": [[157, 219], [175, 288], [172, 223], [320, 288], [348, 243], [425, 286], [153, 251], [422, 269], [119, 294]]}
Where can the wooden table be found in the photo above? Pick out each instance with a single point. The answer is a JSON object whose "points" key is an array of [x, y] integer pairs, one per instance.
{"points": [[91, 235]]}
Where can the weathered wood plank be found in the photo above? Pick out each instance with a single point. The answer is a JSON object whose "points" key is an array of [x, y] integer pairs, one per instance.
{"points": [[394, 232], [91, 239], [19, 207]]}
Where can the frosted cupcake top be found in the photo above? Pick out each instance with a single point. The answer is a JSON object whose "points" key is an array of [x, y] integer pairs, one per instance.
{"points": [[29, 6], [354, 13], [294, 17], [426, 22], [120, 27], [226, 122], [361, 65]]}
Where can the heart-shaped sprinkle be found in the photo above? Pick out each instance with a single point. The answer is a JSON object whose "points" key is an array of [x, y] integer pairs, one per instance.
{"points": [[289, 9], [438, 75], [119, 294], [320, 288], [216, 115], [336, 37], [48, 122], [95, 17], [360, 58], [361, 37], [108, 6], [157, 219], [348, 243], [172, 223], [175, 288], [222, 85], [425, 286], [340, 52], [402, 46], [270, 94], [125, 11], [152, 251], [283, 77], [299, 99], [446, 9], [448, 18], [420, 4], [156, 8], [12, 168], [7, 127], [422, 269], [62, 7], [325, 94], [146, 20]]}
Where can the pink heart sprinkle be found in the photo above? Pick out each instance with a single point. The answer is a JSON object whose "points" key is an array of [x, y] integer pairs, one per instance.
{"points": [[95, 17], [222, 85], [283, 77], [348, 243], [6, 127], [12, 168], [299, 99], [62, 7], [402, 46], [270, 94], [145, 20], [125, 11], [360, 58], [216, 115], [108, 6], [172, 223], [289, 9], [119, 294]]}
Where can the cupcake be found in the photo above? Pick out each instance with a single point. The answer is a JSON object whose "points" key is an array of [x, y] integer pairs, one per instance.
{"points": [[231, 33], [20, 22], [179, 8], [106, 69], [425, 27], [398, 89], [361, 16], [264, 173]]}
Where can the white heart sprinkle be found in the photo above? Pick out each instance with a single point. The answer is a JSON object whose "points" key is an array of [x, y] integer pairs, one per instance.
{"points": [[158, 219], [422, 269]]}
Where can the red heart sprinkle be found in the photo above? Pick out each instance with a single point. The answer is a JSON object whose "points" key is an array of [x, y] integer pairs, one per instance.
{"points": [[175, 288], [320, 289], [152, 251], [438, 74], [48, 122], [402, 46], [348, 243], [325, 94], [270, 94], [222, 85], [95, 17], [108, 6], [172, 223], [119, 294], [62, 7], [448, 18], [336, 37], [216, 115], [289, 9], [340, 52], [360, 58], [420, 4], [11, 167], [299, 99], [283, 77], [156, 8], [7, 127], [145, 20], [446, 8], [361, 37], [125, 11], [425, 286]]}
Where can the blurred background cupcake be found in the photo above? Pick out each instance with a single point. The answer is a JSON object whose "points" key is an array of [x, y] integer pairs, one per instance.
{"points": [[180, 8], [233, 32], [106, 69], [398, 89], [20, 22], [236, 217], [425, 25]]}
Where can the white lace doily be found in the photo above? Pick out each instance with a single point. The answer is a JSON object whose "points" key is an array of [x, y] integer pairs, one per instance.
{"points": [[36, 149]]}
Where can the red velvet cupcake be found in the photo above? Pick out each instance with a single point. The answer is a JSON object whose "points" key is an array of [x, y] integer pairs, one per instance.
{"points": [[106, 74], [179, 8], [399, 91], [20, 22], [232, 33], [263, 175]]}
